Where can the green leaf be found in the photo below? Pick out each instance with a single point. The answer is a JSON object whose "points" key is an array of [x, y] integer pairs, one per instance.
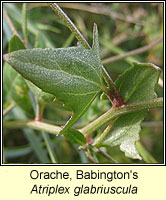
{"points": [[135, 84], [43, 97], [15, 44], [75, 137], [73, 75], [14, 82]]}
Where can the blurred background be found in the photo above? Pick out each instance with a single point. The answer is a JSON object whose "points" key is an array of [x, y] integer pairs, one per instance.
{"points": [[123, 27]]}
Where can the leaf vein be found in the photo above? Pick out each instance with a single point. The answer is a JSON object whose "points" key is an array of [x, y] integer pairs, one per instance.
{"points": [[81, 94], [90, 66], [81, 77]]}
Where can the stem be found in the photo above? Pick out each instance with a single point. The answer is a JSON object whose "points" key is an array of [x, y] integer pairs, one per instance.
{"points": [[34, 125], [147, 157], [90, 158], [49, 146], [113, 113], [10, 24], [106, 155], [100, 139], [112, 93], [133, 52], [39, 110], [103, 119], [93, 159], [24, 23], [69, 24], [9, 108]]}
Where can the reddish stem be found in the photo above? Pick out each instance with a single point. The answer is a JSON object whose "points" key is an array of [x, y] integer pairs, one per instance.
{"points": [[116, 100]]}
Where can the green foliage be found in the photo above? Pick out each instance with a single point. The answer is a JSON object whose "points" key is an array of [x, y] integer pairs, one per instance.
{"points": [[75, 137], [45, 98], [138, 82], [135, 84], [63, 79], [15, 44], [17, 88], [73, 75]]}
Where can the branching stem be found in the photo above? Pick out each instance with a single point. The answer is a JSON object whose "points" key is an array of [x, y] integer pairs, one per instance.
{"points": [[99, 150], [113, 113], [100, 139], [39, 110], [112, 93], [103, 119]]}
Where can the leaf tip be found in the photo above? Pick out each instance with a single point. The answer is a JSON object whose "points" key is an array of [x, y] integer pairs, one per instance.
{"points": [[148, 64], [138, 157], [155, 66], [95, 37]]}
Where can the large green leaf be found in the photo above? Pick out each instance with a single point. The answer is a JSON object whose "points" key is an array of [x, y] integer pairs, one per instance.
{"points": [[73, 75], [43, 97], [135, 84], [14, 82], [16, 44]]}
